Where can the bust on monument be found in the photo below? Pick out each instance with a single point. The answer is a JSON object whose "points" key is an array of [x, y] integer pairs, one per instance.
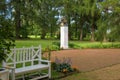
{"points": [[63, 22], [63, 34]]}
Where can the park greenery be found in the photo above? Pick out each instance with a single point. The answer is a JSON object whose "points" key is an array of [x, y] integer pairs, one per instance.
{"points": [[6, 37], [88, 20], [92, 20]]}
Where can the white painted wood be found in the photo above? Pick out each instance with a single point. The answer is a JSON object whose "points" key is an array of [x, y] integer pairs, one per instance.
{"points": [[40, 77], [4, 75], [14, 57], [24, 55], [64, 37]]}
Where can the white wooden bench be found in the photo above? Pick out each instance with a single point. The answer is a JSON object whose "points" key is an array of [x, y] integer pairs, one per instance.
{"points": [[29, 60]]}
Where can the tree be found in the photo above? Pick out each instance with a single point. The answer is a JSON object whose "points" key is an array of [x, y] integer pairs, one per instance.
{"points": [[111, 11], [6, 30], [24, 14], [85, 18], [86, 12], [46, 19], [93, 12], [114, 20]]}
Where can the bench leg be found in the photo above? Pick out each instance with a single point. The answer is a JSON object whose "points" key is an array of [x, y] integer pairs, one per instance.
{"points": [[23, 77], [49, 71], [13, 74]]}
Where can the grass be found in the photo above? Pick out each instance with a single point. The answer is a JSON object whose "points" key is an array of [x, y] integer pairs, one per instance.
{"points": [[107, 73], [75, 44], [85, 44], [33, 42], [56, 74]]}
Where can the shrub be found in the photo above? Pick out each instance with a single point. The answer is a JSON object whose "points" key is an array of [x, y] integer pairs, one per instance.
{"points": [[55, 45], [63, 66]]}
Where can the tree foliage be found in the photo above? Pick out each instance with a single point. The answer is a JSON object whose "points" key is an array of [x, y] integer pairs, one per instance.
{"points": [[87, 19], [6, 30]]}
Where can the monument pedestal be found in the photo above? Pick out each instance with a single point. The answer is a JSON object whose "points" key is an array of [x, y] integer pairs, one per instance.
{"points": [[64, 37]]}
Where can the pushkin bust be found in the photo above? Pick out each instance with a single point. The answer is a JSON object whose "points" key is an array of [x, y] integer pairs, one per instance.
{"points": [[63, 22]]}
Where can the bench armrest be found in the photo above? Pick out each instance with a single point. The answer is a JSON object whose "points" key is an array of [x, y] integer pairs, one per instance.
{"points": [[9, 67], [12, 71]]}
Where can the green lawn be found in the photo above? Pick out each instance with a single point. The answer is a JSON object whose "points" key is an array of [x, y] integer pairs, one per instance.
{"points": [[88, 44], [29, 43], [72, 44]]}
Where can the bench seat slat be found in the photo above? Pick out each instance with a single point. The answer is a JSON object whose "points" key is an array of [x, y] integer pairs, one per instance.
{"points": [[30, 68]]}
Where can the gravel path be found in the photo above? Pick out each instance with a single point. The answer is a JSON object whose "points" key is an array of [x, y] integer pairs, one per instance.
{"points": [[89, 59]]}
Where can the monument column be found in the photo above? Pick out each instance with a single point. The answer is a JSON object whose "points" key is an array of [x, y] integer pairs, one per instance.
{"points": [[63, 34]]}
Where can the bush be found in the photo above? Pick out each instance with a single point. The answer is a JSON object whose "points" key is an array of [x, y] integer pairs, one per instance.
{"points": [[55, 46], [63, 66]]}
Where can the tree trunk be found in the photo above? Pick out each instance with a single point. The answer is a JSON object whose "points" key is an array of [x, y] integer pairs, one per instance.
{"points": [[81, 28], [76, 30], [76, 27], [92, 33], [17, 23], [51, 31], [69, 29], [104, 38], [81, 34], [43, 34]]}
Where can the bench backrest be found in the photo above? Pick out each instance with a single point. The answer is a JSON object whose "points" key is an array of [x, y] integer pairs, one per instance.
{"points": [[24, 57]]}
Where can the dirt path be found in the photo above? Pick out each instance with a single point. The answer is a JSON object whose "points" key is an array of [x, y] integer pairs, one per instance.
{"points": [[89, 59]]}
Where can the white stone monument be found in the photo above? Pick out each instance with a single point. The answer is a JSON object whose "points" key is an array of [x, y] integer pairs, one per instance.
{"points": [[63, 34]]}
